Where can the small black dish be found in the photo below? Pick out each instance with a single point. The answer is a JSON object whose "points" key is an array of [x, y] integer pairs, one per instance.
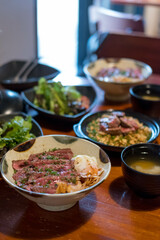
{"points": [[145, 99], [29, 95], [80, 128], [10, 101], [9, 70], [144, 184]]}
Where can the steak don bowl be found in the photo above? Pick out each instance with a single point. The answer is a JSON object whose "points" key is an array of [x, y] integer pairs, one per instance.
{"points": [[56, 189]]}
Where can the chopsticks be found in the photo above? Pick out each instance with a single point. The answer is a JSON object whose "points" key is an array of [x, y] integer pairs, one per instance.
{"points": [[26, 70]]}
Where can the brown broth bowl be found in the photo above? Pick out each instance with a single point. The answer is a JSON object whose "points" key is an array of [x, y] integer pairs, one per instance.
{"points": [[146, 106], [143, 184]]}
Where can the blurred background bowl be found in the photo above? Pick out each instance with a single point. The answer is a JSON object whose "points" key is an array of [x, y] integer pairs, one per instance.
{"points": [[54, 202], [144, 184], [9, 70], [117, 90], [10, 102], [145, 98]]}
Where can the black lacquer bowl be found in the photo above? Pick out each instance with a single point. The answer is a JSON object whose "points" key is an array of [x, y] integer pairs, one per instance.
{"points": [[144, 184], [10, 102], [80, 128], [145, 99], [29, 95], [9, 70]]}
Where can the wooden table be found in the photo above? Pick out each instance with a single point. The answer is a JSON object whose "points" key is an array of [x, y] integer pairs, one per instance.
{"points": [[111, 211]]}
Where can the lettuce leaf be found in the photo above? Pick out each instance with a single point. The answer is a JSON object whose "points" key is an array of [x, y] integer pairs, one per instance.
{"points": [[15, 131]]}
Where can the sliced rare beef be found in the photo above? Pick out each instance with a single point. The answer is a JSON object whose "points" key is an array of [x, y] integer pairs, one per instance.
{"points": [[113, 131], [127, 130], [128, 123], [42, 171], [59, 153], [17, 165], [117, 123], [111, 121]]}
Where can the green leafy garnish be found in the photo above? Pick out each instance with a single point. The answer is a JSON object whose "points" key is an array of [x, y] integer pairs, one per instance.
{"points": [[15, 131], [56, 98]]}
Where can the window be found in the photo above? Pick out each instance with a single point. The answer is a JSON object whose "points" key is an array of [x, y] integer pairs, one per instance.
{"points": [[57, 27]]}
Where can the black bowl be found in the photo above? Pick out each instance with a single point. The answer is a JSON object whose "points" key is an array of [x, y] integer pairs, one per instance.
{"points": [[147, 106], [10, 101], [80, 128], [29, 95], [144, 184], [10, 69]]}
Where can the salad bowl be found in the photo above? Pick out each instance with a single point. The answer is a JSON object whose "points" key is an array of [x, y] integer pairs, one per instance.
{"points": [[87, 91], [17, 126]]}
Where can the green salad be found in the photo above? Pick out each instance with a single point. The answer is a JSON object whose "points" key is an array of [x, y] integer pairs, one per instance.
{"points": [[15, 131], [58, 99]]}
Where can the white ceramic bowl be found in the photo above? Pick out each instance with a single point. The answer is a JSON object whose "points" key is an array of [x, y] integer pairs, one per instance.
{"points": [[54, 202], [116, 91]]}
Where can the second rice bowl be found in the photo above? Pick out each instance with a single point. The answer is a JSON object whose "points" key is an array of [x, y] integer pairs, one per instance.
{"points": [[116, 85]]}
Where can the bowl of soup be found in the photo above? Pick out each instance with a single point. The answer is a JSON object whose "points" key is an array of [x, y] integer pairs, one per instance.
{"points": [[141, 168], [145, 98]]}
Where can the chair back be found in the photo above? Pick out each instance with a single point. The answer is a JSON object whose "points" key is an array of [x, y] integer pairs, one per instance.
{"points": [[136, 46], [106, 20]]}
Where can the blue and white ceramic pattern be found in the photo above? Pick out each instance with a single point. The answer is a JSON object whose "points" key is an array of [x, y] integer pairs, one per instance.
{"points": [[54, 202]]}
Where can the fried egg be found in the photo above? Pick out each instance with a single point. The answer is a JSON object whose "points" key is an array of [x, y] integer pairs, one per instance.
{"points": [[86, 165]]}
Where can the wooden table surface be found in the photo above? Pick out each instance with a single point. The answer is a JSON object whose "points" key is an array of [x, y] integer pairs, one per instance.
{"points": [[137, 2], [111, 211]]}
